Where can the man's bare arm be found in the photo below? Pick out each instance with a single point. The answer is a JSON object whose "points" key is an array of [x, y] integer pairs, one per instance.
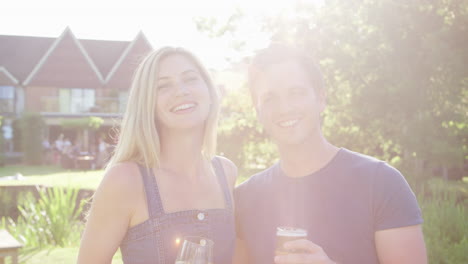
{"points": [[401, 245]]}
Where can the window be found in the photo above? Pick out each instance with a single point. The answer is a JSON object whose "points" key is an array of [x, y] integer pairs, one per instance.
{"points": [[76, 100], [123, 99], [7, 98]]}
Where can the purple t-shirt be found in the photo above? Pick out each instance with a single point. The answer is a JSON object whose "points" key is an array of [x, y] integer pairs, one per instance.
{"points": [[341, 206]]}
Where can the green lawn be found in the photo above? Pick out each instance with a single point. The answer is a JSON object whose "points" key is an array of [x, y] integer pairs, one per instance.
{"points": [[59, 255], [56, 176], [52, 176], [28, 170]]}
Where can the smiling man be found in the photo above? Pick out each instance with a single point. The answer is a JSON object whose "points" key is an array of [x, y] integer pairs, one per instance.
{"points": [[355, 208]]}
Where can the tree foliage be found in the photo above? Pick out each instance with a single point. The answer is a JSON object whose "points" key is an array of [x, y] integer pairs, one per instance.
{"points": [[91, 122], [396, 77], [32, 129], [240, 136], [2, 147]]}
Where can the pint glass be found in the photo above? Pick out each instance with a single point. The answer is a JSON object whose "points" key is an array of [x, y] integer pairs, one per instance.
{"points": [[285, 234]]}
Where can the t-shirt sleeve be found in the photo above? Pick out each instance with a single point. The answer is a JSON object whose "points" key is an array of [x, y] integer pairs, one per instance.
{"points": [[394, 203]]}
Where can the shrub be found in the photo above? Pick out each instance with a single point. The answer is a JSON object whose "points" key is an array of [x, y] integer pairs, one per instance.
{"points": [[51, 220], [445, 223], [2, 147], [32, 128], [7, 202], [16, 125], [91, 122]]}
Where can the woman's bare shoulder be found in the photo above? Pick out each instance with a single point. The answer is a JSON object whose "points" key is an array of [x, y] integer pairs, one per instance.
{"points": [[121, 179]]}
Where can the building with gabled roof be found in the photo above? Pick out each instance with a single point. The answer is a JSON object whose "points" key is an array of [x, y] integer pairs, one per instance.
{"points": [[66, 78]]}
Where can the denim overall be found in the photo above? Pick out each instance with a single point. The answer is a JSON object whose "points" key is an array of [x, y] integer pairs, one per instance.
{"points": [[157, 239]]}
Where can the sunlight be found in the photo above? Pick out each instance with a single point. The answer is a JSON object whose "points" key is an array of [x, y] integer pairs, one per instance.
{"points": [[163, 22]]}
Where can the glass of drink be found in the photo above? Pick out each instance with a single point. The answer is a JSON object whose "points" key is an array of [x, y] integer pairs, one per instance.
{"points": [[195, 250], [285, 234]]}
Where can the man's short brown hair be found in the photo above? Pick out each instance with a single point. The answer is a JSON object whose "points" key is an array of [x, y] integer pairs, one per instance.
{"points": [[278, 53]]}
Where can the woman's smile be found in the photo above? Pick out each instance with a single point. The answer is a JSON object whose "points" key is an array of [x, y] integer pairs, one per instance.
{"points": [[184, 108]]}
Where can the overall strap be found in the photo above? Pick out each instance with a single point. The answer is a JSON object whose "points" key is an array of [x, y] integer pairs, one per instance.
{"points": [[219, 170], [153, 199]]}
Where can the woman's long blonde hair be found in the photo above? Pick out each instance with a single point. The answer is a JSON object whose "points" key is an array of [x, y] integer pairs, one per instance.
{"points": [[138, 138]]}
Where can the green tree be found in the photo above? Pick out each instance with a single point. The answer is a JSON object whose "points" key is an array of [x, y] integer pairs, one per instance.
{"points": [[396, 79], [2, 147], [240, 136], [32, 126]]}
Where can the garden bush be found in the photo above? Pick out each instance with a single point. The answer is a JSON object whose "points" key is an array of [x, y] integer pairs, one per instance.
{"points": [[2, 143], [445, 222], [51, 220], [7, 202], [32, 126]]}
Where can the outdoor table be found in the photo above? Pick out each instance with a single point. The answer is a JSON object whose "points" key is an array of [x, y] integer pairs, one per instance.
{"points": [[84, 162], [8, 247]]}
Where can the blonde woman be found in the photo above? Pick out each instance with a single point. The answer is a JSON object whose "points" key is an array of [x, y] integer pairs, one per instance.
{"points": [[163, 181]]}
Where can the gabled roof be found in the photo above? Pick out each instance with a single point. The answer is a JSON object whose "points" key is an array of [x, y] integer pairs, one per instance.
{"points": [[69, 62], [121, 75], [65, 64], [104, 53], [6, 78], [19, 54]]}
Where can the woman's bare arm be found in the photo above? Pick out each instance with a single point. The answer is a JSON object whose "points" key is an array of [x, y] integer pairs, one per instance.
{"points": [[111, 211]]}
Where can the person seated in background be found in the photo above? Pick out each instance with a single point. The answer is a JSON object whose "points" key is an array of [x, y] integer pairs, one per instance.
{"points": [[102, 153], [66, 157]]}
